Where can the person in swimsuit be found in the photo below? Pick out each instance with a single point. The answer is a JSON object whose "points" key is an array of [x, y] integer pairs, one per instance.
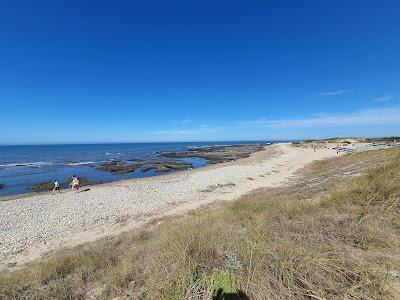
{"points": [[74, 183]]}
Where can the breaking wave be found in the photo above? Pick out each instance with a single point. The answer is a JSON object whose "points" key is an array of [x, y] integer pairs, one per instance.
{"points": [[38, 164]]}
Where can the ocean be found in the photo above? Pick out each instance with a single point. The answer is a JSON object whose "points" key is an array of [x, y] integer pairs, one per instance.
{"points": [[21, 167]]}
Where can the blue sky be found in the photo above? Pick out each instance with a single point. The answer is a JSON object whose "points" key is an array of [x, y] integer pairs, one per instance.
{"points": [[132, 71]]}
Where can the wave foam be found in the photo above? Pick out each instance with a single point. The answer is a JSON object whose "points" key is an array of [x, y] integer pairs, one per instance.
{"points": [[27, 164], [81, 163]]}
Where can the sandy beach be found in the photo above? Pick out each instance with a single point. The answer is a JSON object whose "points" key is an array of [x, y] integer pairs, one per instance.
{"points": [[34, 225]]}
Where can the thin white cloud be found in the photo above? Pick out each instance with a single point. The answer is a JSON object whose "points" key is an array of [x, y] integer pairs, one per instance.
{"points": [[334, 93], [361, 119], [368, 117], [383, 98], [185, 122]]}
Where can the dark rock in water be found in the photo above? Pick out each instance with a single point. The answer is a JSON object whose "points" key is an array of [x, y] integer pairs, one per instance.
{"points": [[107, 167], [148, 168], [155, 162], [159, 166], [178, 166], [161, 169], [124, 169], [2, 186], [170, 166], [218, 154], [166, 166], [48, 186], [118, 168], [42, 187], [137, 160]]}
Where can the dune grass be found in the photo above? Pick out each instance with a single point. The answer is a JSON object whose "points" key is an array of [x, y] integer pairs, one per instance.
{"points": [[272, 244]]}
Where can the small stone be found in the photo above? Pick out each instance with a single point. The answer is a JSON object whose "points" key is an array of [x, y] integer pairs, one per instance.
{"points": [[131, 285]]}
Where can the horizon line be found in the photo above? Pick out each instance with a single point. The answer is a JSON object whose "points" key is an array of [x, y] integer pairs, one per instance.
{"points": [[195, 141], [150, 142]]}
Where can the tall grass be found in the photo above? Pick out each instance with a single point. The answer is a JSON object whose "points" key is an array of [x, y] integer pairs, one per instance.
{"points": [[265, 246]]}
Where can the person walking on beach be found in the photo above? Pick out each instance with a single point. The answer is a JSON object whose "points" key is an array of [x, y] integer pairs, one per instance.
{"points": [[56, 187], [74, 183]]}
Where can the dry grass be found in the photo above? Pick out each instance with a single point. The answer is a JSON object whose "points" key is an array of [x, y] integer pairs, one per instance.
{"points": [[272, 244]]}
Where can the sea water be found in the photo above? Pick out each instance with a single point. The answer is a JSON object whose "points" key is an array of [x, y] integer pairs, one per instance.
{"points": [[21, 167]]}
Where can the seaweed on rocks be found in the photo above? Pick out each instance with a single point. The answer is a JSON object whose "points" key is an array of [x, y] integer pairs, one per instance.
{"points": [[42, 187], [161, 169], [159, 166], [118, 168], [218, 154], [178, 166], [166, 167], [48, 185], [147, 168]]}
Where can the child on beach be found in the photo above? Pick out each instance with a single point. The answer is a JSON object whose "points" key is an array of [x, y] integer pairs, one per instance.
{"points": [[56, 186], [74, 183]]}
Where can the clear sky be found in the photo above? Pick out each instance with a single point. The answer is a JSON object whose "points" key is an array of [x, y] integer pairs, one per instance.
{"points": [[132, 71]]}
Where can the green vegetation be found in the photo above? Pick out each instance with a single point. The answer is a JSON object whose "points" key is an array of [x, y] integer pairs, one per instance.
{"points": [[326, 237], [359, 139], [383, 139]]}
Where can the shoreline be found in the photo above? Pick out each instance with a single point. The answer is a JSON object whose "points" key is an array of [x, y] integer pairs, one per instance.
{"points": [[40, 224], [215, 154]]}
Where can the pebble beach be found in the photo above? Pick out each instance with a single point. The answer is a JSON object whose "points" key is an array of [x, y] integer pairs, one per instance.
{"points": [[30, 224]]}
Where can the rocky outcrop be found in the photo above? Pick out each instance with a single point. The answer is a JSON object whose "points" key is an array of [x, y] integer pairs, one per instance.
{"points": [[42, 187], [166, 167], [218, 154], [147, 168], [48, 185], [118, 167]]}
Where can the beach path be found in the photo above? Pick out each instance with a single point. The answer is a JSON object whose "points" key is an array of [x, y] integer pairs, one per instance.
{"points": [[38, 224]]}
